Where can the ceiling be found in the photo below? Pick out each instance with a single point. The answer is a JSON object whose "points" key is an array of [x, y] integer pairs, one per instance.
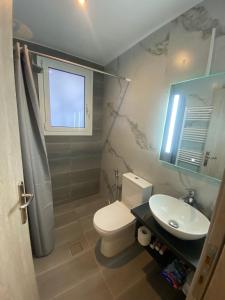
{"points": [[99, 31]]}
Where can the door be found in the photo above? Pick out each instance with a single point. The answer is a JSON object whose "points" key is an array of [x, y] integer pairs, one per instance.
{"points": [[208, 280], [216, 289], [214, 154], [17, 278]]}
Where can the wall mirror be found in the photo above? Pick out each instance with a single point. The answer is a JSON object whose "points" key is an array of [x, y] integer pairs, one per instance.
{"points": [[194, 133]]}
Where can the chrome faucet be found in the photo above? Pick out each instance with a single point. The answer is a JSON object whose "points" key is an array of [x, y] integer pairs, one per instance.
{"points": [[190, 197]]}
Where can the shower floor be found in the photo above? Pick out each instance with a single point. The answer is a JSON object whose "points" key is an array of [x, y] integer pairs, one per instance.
{"points": [[77, 270]]}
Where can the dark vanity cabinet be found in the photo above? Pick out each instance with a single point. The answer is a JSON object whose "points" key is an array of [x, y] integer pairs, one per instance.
{"points": [[187, 251]]}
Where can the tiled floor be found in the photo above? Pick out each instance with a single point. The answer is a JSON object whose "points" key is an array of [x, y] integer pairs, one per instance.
{"points": [[77, 271]]}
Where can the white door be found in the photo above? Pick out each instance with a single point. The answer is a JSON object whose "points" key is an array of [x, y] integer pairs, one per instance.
{"points": [[17, 278], [216, 288]]}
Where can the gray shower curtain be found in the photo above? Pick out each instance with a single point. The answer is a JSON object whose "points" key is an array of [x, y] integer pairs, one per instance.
{"points": [[34, 156]]}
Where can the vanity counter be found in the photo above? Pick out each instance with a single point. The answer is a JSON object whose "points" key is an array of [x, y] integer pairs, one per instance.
{"points": [[188, 251]]}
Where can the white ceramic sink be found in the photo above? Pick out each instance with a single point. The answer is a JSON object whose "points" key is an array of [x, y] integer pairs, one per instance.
{"points": [[179, 218]]}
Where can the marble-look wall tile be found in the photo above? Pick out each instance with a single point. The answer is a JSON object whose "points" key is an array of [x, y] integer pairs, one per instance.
{"points": [[157, 43], [134, 113], [199, 19], [106, 187], [139, 136], [112, 151], [187, 54]]}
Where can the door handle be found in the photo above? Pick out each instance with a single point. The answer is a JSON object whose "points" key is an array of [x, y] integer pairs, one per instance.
{"points": [[207, 157], [25, 200], [27, 203]]}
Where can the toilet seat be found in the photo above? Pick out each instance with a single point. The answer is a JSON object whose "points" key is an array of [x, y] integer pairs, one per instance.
{"points": [[113, 217]]}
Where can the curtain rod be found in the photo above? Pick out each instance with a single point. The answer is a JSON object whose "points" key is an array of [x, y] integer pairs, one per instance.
{"points": [[78, 65]]}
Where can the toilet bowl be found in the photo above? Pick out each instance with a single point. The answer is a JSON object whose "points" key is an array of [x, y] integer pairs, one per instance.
{"points": [[116, 226], [115, 223]]}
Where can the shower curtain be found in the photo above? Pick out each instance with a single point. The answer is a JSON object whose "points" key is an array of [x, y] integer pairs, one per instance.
{"points": [[34, 156]]}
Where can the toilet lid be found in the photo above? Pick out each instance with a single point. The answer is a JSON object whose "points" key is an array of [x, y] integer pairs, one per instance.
{"points": [[113, 217]]}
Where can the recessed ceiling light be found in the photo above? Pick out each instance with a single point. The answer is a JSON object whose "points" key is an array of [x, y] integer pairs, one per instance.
{"points": [[82, 2]]}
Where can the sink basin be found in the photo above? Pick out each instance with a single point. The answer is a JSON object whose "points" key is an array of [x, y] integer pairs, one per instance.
{"points": [[179, 218]]}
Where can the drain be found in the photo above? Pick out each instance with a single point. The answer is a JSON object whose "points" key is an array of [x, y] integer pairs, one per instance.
{"points": [[75, 248], [173, 224]]}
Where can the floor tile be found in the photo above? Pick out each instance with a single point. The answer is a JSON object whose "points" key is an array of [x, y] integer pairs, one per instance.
{"points": [[78, 203], [86, 200], [93, 288], [65, 219], [69, 233], [87, 223], [77, 270], [76, 248], [63, 208], [152, 286], [92, 237], [119, 260], [89, 208], [140, 290], [59, 256], [121, 276], [61, 278]]}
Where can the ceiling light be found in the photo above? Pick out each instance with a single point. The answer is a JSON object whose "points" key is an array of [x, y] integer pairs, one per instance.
{"points": [[82, 2], [183, 59]]}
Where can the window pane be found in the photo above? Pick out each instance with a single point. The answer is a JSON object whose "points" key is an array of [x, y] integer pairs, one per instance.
{"points": [[67, 104]]}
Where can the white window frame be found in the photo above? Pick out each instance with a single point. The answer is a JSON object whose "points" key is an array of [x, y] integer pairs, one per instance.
{"points": [[44, 96]]}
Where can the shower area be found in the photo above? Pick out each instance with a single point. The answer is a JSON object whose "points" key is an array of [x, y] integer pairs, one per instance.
{"points": [[63, 172]]}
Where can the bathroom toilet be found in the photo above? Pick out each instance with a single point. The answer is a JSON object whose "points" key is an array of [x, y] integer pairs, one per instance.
{"points": [[115, 223]]}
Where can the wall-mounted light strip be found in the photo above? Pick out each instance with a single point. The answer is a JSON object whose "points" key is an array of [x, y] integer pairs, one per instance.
{"points": [[173, 116]]}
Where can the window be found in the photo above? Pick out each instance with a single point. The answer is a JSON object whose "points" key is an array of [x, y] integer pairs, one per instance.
{"points": [[65, 93]]}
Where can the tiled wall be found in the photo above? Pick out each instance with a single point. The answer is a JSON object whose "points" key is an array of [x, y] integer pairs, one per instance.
{"points": [[75, 160], [134, 113]]}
